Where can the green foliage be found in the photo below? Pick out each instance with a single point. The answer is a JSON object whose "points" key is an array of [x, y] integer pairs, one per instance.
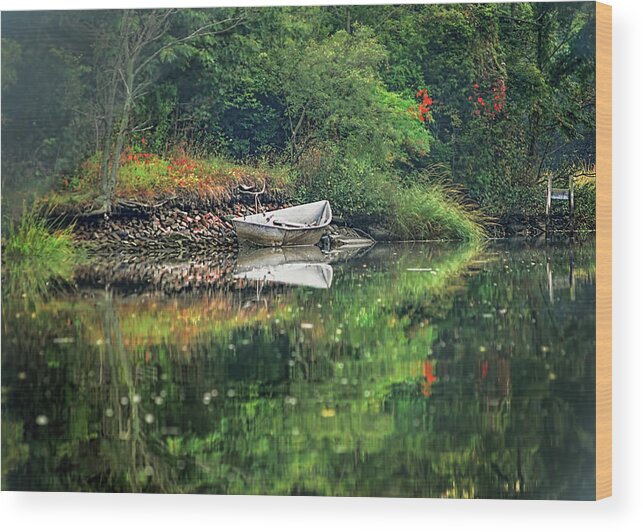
{"points": [[585, 203], [435, 211], [500, 198], [349, 135], [11, 56], [36, 255], [355, 186], [45, 117], [334, 94]]}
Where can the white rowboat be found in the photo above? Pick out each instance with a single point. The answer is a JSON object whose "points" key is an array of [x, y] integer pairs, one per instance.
{"points": [[302, 225]]}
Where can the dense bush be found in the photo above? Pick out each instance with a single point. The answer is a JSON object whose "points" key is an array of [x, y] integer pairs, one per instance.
{"points": [[355, 187], [585, 199]]}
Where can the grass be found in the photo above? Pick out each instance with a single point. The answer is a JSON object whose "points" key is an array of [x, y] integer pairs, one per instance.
{"points": [[147, 177], [435, 211], [36, 255]]}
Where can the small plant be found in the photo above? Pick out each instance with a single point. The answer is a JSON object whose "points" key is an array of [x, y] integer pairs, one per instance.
{"points": [[36, 255]]}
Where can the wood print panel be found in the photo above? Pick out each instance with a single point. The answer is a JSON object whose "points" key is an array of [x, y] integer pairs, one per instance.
{"points": [[604, 251]]}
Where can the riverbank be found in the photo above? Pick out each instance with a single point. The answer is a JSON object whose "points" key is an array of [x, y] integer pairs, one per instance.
{"points": [[185, 202], [181, 206]]}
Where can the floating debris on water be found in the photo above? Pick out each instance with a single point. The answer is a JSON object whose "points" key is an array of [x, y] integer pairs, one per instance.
{"points": [[64, 340]]}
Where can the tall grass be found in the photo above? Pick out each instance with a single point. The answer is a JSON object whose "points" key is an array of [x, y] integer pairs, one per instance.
{"points": [[435, 211], [37, 256]]}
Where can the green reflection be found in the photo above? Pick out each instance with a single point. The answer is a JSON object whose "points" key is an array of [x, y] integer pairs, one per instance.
{"points": [[424, 371]]}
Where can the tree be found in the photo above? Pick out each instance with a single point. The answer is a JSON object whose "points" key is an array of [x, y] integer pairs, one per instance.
{"points": [[347, 132], [144, 42]]}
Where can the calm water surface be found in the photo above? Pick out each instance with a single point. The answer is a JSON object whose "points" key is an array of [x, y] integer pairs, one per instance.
{"points": [[419, 370]]}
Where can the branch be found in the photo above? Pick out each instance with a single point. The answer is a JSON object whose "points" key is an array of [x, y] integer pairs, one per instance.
{"points": [[535, 22], [196, 33], [301, 119]]}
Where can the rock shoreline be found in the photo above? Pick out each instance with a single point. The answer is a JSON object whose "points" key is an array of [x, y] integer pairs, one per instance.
{"points": [[185, 228], [174, 228]]}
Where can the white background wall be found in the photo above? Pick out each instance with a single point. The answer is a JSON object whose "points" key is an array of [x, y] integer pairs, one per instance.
{"points": [[624, 511]]}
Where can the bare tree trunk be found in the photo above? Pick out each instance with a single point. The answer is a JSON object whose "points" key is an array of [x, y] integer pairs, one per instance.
{"points": [[110, 185], [107, 143], [108, 182]]}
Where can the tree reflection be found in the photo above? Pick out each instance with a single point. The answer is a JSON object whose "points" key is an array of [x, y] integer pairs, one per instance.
{"points": [[423, 371]]}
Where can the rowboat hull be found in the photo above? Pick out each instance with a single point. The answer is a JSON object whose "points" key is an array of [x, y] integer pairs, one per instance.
{"points": [[300, 226], [276, 236]]}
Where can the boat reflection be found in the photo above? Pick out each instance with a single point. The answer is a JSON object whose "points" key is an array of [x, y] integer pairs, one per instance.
{"points": [[294, 266]]}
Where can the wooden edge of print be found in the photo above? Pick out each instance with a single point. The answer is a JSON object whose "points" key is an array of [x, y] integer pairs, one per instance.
{"points": [[603, 251]]}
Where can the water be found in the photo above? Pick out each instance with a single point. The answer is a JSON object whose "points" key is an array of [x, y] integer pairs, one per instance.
{"points": [[424, 370]]}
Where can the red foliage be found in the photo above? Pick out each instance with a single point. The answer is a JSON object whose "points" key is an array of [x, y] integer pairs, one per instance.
{"points": [[497, 93], [423, 110], [429, 378]]}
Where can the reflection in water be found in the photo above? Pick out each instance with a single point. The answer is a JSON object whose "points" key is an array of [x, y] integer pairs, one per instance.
{"points": [[293, 266], [423, 370]]}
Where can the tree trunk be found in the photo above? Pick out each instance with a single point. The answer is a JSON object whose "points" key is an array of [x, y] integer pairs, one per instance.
{"points": [[108, 181], [110, 187]]}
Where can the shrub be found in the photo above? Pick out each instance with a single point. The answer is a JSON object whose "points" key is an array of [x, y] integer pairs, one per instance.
{"points": [[499, 199], [435, 211], [36, 254], [356, 189], [585, 203]]}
